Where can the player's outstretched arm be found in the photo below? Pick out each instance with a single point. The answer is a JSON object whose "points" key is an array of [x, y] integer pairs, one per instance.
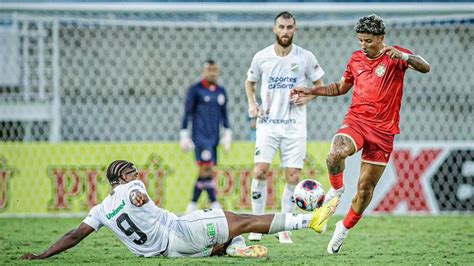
{"points": [[67, 241], [414, 61], [333, 89], [301, 100]]}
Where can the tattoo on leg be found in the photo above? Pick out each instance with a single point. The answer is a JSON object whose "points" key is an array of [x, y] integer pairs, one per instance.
{"points": [[342, 148], [334, 169]]}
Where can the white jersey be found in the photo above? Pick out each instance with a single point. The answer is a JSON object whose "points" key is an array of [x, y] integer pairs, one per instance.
{"points": [[144, 230], [279, 75]]}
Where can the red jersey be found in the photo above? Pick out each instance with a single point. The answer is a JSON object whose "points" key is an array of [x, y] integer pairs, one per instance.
{"points": [[378, 90]]}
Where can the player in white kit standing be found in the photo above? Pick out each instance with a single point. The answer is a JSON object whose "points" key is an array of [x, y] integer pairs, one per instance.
{"points": [[281, 121]]}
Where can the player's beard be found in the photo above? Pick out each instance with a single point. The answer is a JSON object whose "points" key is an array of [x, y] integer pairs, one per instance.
{"points": [[283, 43]]}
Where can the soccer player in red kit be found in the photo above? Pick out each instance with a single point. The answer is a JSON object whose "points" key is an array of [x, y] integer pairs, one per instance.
{"points": [[376, 72]]}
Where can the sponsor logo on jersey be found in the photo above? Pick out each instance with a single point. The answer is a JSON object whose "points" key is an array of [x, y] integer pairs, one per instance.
{"points": [[380, 70], [211, 232], [266, 120], [116, 210], [294, 67], [207, 98], [281, 82]]}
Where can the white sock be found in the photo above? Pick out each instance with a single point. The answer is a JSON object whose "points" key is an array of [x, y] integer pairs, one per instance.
{"points": [[289, 221], [238, 241], [287, 203], [297, 221], [258, 196]]}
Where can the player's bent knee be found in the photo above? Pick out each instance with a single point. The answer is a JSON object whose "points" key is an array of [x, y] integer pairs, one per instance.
{"points": [[293, 178], [260, 174]]}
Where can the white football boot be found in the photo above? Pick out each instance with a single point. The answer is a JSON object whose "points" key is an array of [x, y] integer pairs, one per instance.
{"points": [[255, 236], [238, 248], [340, 233]]}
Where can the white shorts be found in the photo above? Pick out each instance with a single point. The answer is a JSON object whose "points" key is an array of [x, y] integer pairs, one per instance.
{"points": [[195, 234], [292, 149]]}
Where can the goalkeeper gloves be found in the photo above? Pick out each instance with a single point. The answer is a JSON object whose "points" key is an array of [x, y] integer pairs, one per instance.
{"points": [[226, 139], [185, 141]]}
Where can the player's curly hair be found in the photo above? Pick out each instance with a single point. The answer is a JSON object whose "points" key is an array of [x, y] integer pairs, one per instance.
{"points": [[371, 24], [115, 170]]}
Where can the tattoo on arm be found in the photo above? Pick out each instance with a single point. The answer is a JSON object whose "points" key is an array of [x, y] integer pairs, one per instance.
{"points": [[332, 89], [418, 63]]}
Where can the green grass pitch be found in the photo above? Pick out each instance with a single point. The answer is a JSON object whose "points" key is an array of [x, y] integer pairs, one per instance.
{"points": [[414, 240]]}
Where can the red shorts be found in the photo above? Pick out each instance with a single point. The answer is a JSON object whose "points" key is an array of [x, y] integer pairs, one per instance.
{"points": [[376, 146]]}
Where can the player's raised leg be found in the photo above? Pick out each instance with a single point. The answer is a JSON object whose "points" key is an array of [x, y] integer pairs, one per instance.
{"points": [[369, 177], [342, 146], [274, 223], [268, 224]]}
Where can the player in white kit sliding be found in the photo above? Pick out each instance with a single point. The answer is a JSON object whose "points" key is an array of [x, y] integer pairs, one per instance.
{"points": [[281, 122], [148, 230]]}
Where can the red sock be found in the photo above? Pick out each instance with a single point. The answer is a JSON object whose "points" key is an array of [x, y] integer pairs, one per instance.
{"points": [[336, 180], [351, 219]]}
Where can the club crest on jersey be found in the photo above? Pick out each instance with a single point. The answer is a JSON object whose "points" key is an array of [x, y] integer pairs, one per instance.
{"points": [[294, 67], [380, 70]]}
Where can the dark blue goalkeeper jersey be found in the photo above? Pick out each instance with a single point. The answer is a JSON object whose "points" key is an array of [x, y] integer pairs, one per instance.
{"points": [[206, 105]]}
